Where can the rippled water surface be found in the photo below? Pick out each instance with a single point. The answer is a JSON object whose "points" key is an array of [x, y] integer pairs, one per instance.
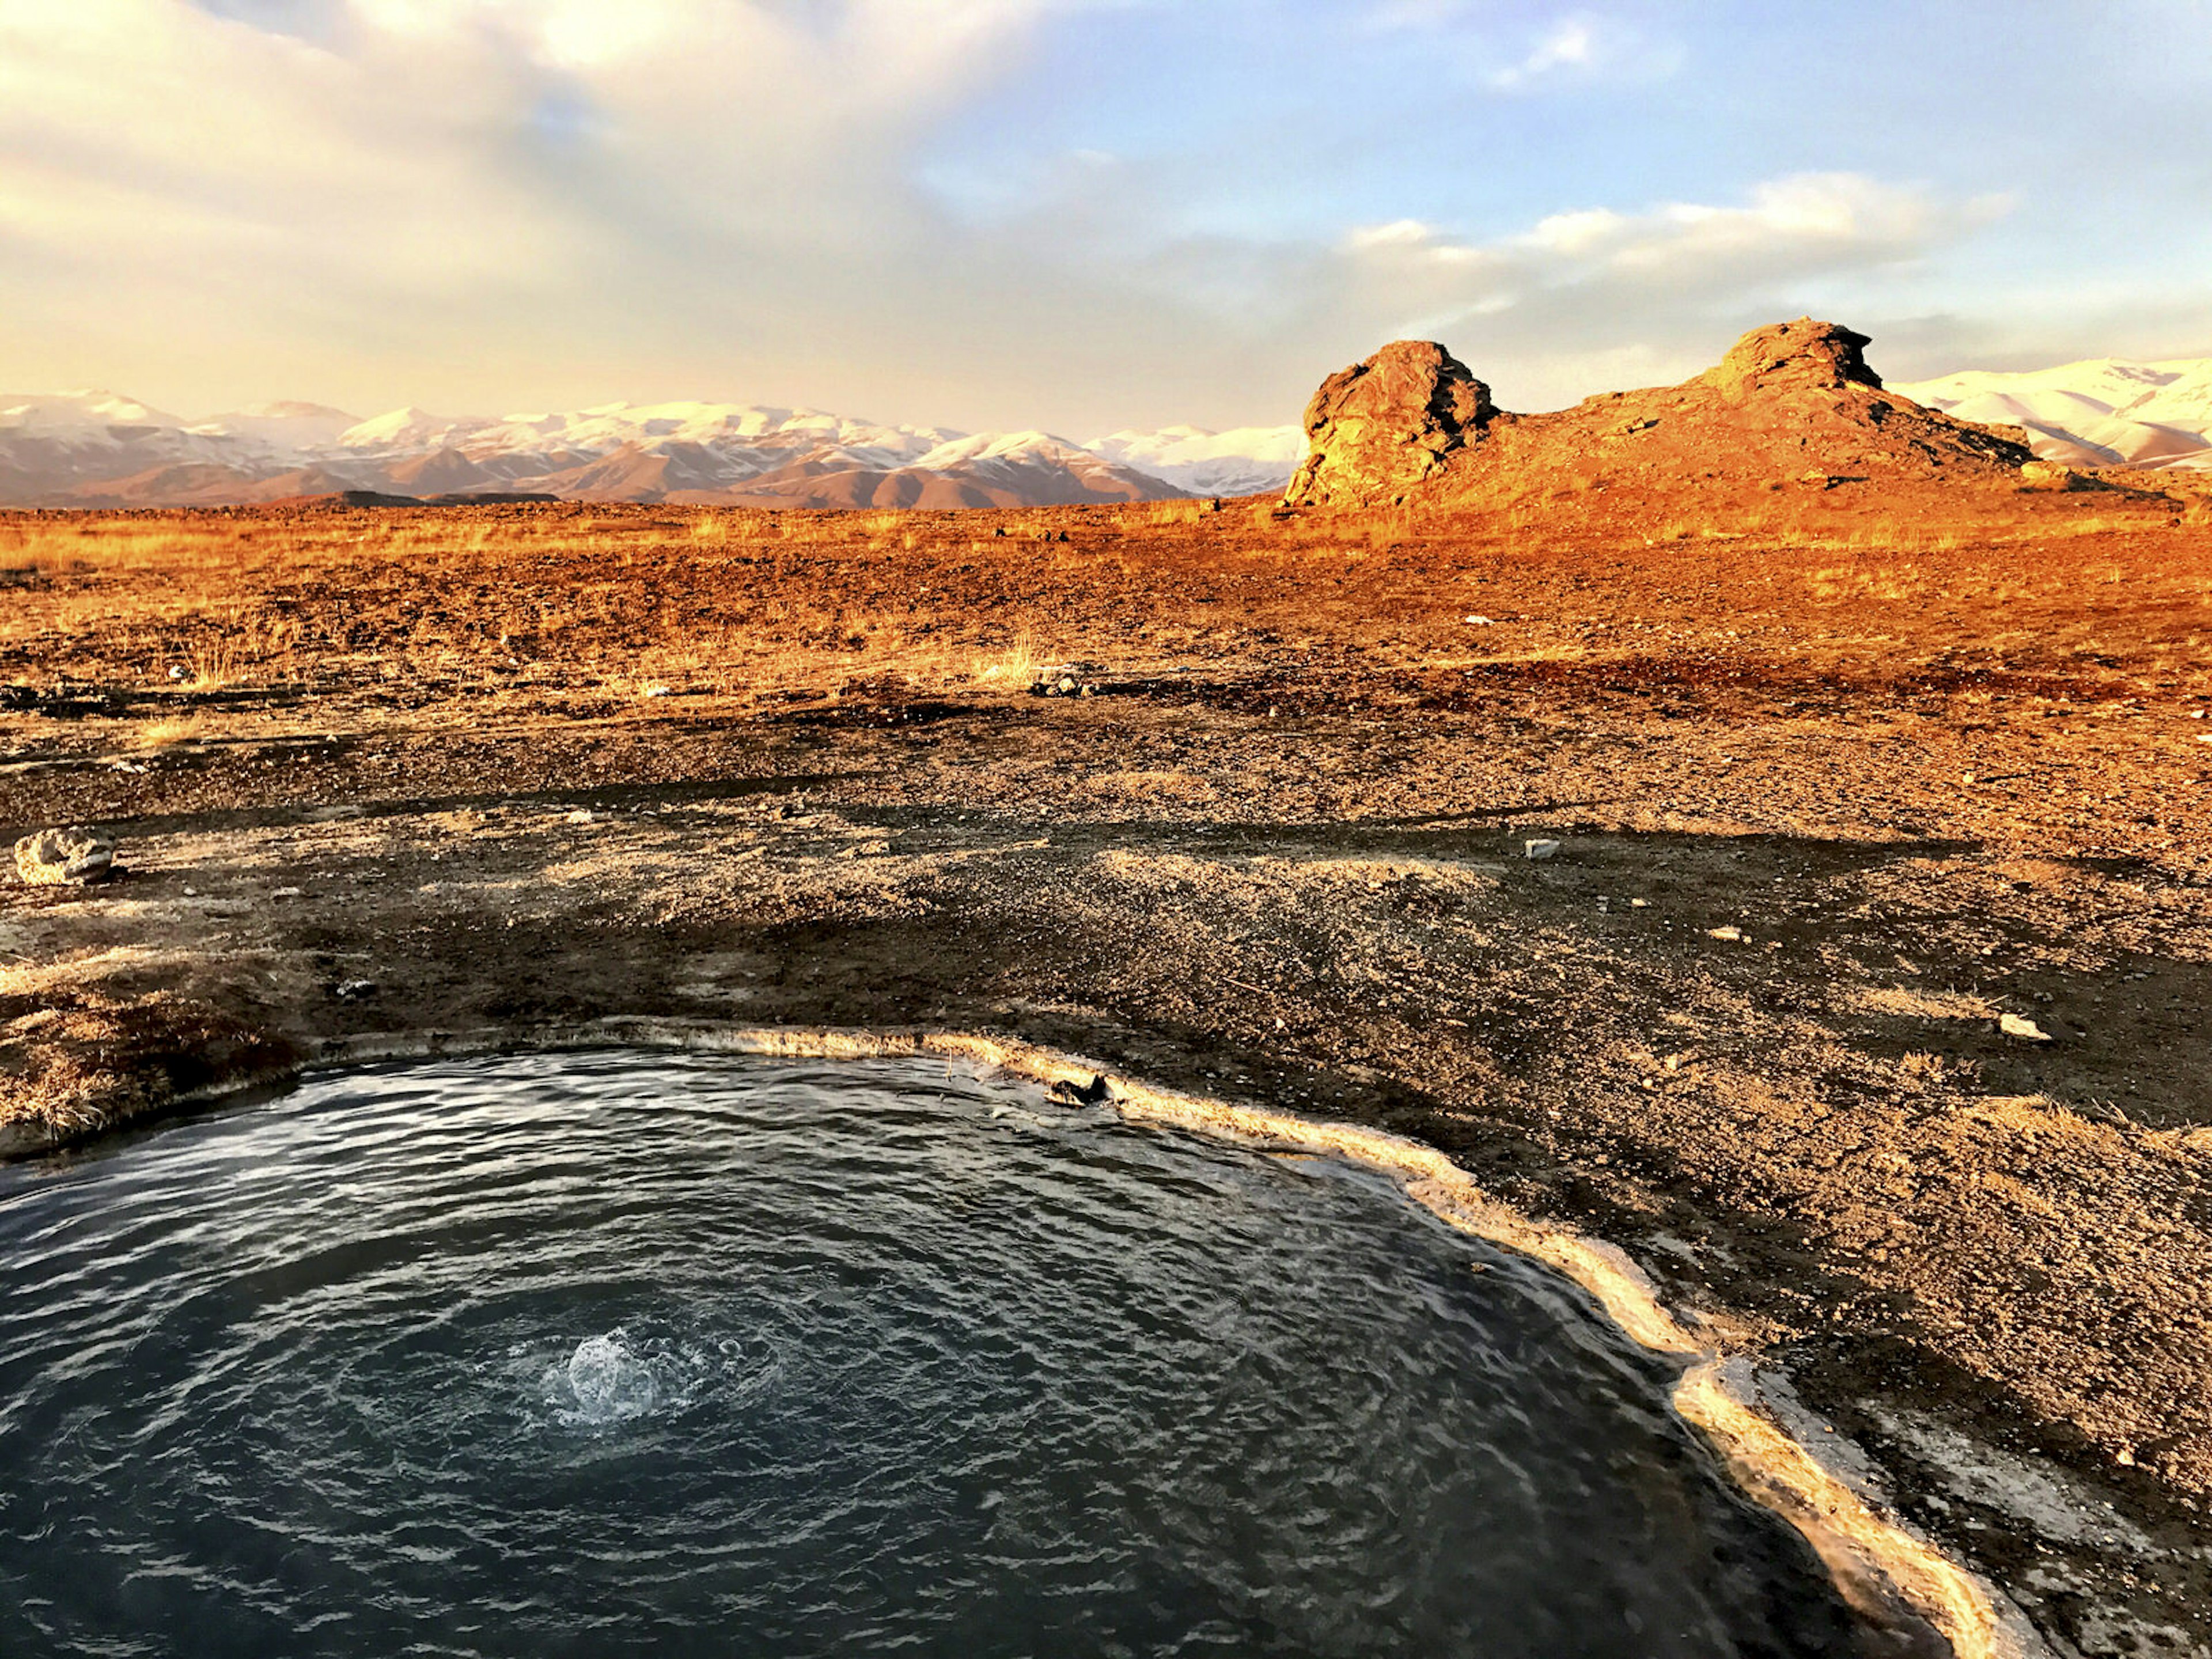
{"points": [[703, 1355]]}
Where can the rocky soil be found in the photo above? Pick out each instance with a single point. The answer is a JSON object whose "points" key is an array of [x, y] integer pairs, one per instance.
{"points": [[1840, 780]]}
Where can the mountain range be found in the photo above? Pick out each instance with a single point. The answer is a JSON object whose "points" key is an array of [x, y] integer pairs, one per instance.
{"points": [[100, 450], [97, 449], [2104, 412]]}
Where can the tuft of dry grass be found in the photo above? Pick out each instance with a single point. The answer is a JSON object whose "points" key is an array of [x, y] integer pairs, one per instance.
{"points": [[1016, 665], [1914, 1004], [171, 729], [214, 664], [1831, 583]]}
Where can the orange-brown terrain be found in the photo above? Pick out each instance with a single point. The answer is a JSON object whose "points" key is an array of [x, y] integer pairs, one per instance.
{"points": [[1847, 763]]}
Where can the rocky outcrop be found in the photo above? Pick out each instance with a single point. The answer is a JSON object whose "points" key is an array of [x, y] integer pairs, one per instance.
{"points": [[1383, 427], [1791, 405], [1802, 355]]}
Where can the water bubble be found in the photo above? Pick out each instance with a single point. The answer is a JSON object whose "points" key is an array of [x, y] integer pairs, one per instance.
{"points": [[604, 1382]]}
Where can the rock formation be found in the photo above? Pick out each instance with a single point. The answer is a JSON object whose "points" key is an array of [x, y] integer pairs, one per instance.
{"points": [[74, 857], [1794, 402], [1802, 355], [1380, 428]]}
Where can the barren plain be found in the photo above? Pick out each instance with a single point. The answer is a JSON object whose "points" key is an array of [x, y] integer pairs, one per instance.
{"points": [[1841, 775]]}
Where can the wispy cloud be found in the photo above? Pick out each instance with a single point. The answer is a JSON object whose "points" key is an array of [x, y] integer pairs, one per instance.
{"points": [[1502, 48], [1664, 281], [1583, 47]]}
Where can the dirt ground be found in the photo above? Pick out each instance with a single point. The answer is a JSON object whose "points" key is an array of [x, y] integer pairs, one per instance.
{"points": [[1837, 782]]}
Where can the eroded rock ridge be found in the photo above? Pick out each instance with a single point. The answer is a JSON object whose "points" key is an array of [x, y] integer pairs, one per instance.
{"points": [[1790, 403]]}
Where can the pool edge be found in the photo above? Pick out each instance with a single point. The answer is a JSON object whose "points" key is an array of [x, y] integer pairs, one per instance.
{"points": [[1883, 1566]]}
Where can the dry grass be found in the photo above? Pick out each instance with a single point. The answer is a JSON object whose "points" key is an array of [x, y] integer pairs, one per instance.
{"points": [[1908, 1003], [1016, 665], [171, 730], [745, 603], [215, 664], [1833, 583]]}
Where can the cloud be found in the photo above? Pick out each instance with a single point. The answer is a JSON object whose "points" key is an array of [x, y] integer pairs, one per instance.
{"points": [[1572, 44], [488, 205], [332, 189], [1494, 50], [1801, 225], [1664, 285], [1583, 47]]}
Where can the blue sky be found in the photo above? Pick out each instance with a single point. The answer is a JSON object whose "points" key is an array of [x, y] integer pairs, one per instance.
{"points": [[1076, 213]]}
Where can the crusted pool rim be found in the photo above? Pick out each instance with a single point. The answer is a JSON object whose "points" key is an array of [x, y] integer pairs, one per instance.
{"points": [[1890, 1572]]}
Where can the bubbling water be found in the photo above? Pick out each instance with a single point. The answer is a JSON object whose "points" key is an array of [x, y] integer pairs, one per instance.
{"points": [[604, 1382], [633, 1353]]}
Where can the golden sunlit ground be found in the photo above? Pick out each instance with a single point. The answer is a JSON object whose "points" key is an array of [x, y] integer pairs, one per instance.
{"points": [[1838, 783]]}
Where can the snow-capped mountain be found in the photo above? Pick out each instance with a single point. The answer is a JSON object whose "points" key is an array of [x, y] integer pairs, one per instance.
{"points": [[2104, 412], [282, 427], [99, 449], [1242, 462]]}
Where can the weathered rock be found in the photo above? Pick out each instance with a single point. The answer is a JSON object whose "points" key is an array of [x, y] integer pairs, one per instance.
{"points": [[1381, 427], [1793, 400], [77, 855], [2049, 475], [2021, 1026], [1806, 354]]}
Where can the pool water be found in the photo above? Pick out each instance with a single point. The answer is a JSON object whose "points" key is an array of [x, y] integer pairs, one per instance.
{"points": [[635, 1352]]}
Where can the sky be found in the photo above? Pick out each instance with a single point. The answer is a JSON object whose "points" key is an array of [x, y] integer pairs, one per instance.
{"points": [[1076, 215]]}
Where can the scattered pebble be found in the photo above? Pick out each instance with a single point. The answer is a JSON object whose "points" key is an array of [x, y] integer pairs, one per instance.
{"points": [[2019, 1026], [1639, 904], [1540, 849], [1733, 935], [1479, 622], [352, 990]]}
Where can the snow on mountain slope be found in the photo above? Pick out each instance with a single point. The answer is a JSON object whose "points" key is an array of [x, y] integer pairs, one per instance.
{"points": [[1249, 460], [77, 415], [49, 443], [2103, 412], [96, 449], [411, 431], [288, 427]]}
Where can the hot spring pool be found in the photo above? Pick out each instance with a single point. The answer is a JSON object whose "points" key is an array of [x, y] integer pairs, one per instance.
{"points": [[681, 1355]]}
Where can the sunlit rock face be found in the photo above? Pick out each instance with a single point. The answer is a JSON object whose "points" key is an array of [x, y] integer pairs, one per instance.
{"points": [[1382, 428], [1793, 405], [1805, 354]]}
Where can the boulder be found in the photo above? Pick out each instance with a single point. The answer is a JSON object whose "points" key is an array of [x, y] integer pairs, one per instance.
{"points": [[1381, 427], [2050, 475], [1805, 355], [77, 855]]}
